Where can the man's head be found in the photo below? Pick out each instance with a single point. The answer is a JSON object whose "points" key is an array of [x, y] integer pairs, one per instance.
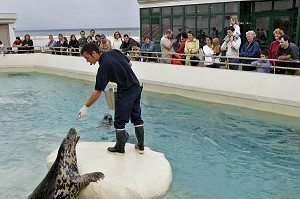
{"points": [[230, 31], [92, 33], [284, 41], [126, 38], [102, 37], [264, 54], [82, 34], [18, 38], [190, 35], [50, 37], [169, 34], [90, 52]]}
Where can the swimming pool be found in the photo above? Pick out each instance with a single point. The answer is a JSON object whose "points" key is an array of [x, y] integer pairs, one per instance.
{"points": [[215, 151]]}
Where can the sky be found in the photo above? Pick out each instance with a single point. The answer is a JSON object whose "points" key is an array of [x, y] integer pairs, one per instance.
{"points": [[72, 14]]}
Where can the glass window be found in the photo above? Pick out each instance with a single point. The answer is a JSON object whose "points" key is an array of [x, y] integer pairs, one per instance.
{"points": [[178, 10], [189, 23], [202, 9], [282, 22], [283, 5], [145, 27], [262, 29], [166, 11], [216, 8], [177, 24], [231, 7], [155, 29], [202, 27], [155, 11], [190, 9], [216, 26], [166, 24], [262, 6], [145, 12]]}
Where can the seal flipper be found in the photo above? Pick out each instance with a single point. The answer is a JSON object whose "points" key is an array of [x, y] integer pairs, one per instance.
{"points": [[86, 179]]}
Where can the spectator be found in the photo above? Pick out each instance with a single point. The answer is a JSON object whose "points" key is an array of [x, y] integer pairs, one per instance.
{"points": [[135, 52], [208, 51], [92, 34], [180, 50], [74, 45], [1, 47], [105, 43], [117, 41], [201, 36], [213, 33], [61, 45], [98, 40], [166, 45], [127, 43], [250, 49], [287, 51], [51, 42], [82, 40], [217, 52], [235, 23], [262, 65], [17, 43], [232, 46], [191, 50], [273, 49], [148, 48], [89, 39], [27, 44]]}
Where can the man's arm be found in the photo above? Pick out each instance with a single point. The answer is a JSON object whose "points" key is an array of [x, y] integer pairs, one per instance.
{"points": [[95, 95]]}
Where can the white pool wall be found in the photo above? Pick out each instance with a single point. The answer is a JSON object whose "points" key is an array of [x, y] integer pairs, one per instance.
{"points": [[267, 92]]}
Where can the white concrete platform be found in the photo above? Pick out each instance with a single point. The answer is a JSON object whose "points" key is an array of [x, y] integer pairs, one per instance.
{"points": [[132, 176]]}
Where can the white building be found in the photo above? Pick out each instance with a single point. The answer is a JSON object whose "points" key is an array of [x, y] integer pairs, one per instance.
{"points": [[7, 34]]}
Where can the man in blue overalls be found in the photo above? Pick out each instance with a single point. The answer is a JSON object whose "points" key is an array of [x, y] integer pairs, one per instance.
{"points": [[115, 67]]}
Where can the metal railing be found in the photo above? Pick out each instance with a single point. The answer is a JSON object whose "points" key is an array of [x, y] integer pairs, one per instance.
{"points": [[159, 57]]}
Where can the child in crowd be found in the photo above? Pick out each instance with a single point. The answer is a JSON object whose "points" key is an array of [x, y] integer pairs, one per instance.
{"points": [[262, 66], [217, 51], [135, 52], [235, 23]]}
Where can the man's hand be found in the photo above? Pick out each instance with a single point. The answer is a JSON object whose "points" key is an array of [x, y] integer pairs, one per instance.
{"points": [[82, 112]]}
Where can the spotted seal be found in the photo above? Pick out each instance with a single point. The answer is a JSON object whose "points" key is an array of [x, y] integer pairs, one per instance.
{"points": [[63, 179]]}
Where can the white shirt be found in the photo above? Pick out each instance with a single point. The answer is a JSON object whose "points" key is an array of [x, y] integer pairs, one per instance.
{"points": [[232, 47], [116, 43]]}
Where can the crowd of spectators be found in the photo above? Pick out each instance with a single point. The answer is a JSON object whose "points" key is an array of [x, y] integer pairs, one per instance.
{"points": [[189, 51]]}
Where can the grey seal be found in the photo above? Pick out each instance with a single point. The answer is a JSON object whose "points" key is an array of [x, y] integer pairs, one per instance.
{"points": [[63, 179]]}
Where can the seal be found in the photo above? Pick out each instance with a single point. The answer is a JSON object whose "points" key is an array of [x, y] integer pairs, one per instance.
{"points": [[63, 179], [107, 119]]}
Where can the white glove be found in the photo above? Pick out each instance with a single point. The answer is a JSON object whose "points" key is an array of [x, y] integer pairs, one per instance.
{"points": [[82, 112]]}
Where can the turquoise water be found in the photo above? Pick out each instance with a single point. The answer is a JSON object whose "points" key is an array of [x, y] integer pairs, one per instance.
{"points": [[215, 151]]}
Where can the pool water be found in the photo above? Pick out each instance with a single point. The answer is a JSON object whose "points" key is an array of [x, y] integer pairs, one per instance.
{"points": [[215, 151]]}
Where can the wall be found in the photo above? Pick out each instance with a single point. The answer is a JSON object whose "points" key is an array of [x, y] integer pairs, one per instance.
{"points": [[266, 92]]}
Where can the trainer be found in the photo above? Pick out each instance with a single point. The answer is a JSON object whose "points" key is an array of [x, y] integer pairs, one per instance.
{"points": [[115, 67]]}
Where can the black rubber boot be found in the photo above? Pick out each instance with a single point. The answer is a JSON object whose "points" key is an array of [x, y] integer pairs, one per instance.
{"points": [[139, 133], [122, 137]]}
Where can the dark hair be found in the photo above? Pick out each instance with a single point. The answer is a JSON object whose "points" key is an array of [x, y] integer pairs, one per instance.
{"points": [[209, 37], [285, 37], [265, 53], [18, 38], [125, 35], [60, 35], [231, 28], [190, 32], [82, 31], [89, 48], [184, 35], [92, 30], [146, 37]]}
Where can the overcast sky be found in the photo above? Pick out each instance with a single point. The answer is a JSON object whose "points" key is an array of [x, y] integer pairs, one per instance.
{"points": [[68, 14]]}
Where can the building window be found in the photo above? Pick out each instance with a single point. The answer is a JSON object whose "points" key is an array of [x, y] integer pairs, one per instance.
{"points": [[231, 7], [283, 5], [145, 27], [166, 11], [216, 8], [216, 26], [190, 9], [202, 27], [155, 11], [262, 6], [145, 12], [155, 29], [178, 10], [189, 23], [202, 9], [177, 24], [166, 24]]}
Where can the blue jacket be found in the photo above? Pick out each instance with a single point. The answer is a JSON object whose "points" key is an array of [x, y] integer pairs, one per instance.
{"points": [[151, 47], [265, 66], [251, 51]]}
